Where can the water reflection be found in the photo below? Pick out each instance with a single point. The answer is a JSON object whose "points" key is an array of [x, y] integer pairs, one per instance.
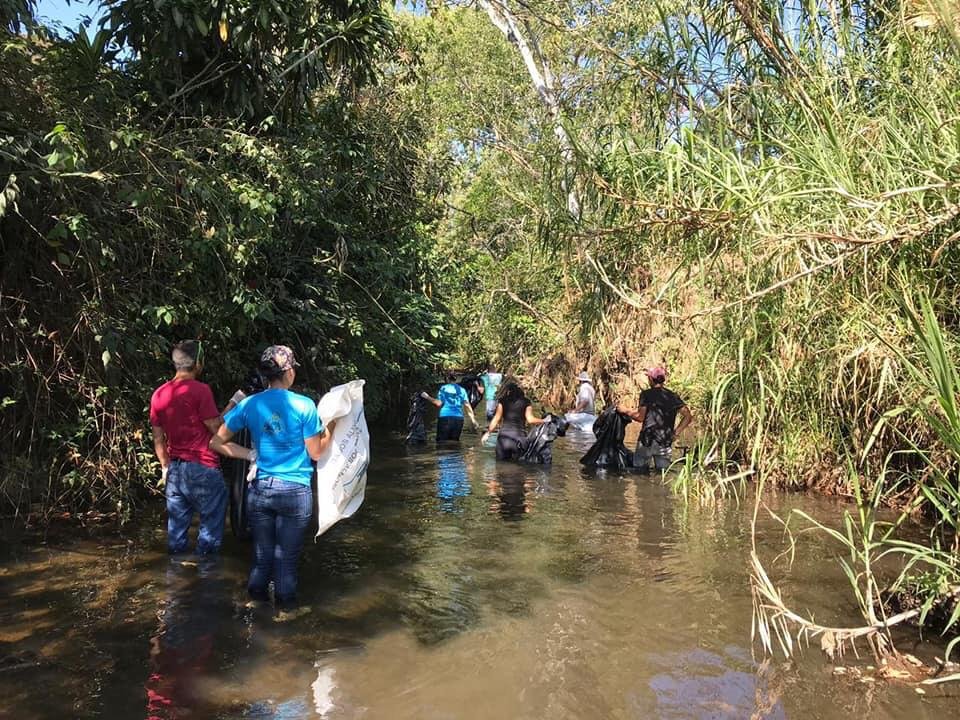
{"points": [[609, 600], [453, 482], [195, 604]]}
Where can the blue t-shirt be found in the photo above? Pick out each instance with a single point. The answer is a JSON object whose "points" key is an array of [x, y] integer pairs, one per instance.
{"points": [[453, 397], [279, 421], [491, 383]]}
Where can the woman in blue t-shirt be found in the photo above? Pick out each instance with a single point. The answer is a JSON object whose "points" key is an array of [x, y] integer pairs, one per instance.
{"points": [[287, 435], [453, 402]]}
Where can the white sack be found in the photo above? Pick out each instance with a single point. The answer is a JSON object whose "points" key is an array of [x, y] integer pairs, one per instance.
{"points": [[581, 421], [342, 471]]}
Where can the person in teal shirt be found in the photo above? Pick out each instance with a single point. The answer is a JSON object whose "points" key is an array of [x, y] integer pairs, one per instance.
{"points": [[491, 380], [453, 402], [287, 435]]}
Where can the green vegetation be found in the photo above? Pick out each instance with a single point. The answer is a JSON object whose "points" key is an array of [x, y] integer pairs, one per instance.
{"points": [[763, 193], [140, 206], [763, 196]]}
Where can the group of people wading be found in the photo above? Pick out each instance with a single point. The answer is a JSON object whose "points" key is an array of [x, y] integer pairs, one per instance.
{"points": [[287, 436], [510, 413]]}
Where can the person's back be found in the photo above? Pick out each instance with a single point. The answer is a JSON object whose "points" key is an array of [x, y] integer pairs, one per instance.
{"points": [[514, 416], [279, 421], [184, 417], [180, 407], [662, 406], [452, 398], [586, 395], [491, 384]]}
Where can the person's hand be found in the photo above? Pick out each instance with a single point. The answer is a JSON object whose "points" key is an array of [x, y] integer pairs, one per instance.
{"points": [[252, 455], [163, 477], [485, 437]]}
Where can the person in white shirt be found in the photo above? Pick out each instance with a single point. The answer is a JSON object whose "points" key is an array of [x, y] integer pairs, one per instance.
{"points": [[586, 395]]}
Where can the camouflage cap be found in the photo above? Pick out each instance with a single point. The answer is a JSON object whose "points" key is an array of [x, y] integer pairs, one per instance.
{"points": [[278, 358]]}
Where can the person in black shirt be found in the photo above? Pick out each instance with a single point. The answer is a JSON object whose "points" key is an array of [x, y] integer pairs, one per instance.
{"points": [[657, 416], [514, 412]]}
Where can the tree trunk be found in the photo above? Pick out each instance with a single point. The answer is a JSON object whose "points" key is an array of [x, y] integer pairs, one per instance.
{"points": [[546, 86]]}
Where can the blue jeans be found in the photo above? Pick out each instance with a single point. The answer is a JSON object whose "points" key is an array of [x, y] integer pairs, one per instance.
{"points": [[195, 488], [662, 456], [278, 512]]}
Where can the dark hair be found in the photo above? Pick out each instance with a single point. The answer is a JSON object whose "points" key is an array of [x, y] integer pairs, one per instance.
{"points": [[186, 354], [451, 377], [270, 370], [510, 391]]}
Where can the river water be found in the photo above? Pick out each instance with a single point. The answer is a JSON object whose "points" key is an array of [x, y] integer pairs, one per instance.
{"points": [[463, 588]]}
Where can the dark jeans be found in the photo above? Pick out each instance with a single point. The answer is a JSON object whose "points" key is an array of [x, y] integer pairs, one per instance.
{"points": [[278, 512], [449, 428], [195, 488], [508, 445]]}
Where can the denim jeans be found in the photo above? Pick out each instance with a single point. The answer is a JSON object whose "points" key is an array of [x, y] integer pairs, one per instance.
{"points": [[278, 512], [195, 488], [449, 428], [662, 456]]}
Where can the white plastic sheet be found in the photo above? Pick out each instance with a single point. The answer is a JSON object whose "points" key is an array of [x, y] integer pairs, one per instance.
{"points": [[342, 472], [581, 421]]}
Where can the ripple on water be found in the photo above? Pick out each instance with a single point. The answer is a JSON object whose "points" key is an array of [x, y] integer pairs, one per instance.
{"points": [[464, 588]]}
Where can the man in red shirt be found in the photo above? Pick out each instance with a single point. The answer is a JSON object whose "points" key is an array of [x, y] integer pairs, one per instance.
{"points": [[184, 416]]}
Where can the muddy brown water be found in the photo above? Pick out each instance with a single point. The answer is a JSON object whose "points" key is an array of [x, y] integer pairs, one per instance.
{"points": [[464, 588]]}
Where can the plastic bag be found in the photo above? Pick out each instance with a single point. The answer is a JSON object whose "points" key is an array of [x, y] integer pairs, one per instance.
{"points": [[416, 430], [342, 471], [537, 448], [581, 421], [609, 451], [474, 394]]}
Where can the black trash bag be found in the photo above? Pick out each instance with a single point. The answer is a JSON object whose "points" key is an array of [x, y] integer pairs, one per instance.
{"points": [[469, 383], [537, 447], [609, 451], [236, 474], [235, 471], [416, 430]]}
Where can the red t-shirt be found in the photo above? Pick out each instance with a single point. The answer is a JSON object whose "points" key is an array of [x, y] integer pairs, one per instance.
{"points": [[180, 407]]}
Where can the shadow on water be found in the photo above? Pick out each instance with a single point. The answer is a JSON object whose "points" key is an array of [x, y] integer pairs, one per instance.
{"points": [[464, 588]]}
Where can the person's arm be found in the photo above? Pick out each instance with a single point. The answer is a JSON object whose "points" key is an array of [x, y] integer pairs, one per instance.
{"points": [[220, 443], [531, 418], [316, 436], [206, 408], [637, 415], [213, 424], [426, 396], [581, 403], [318, 445], [686, 419], [160, 446], [494, 423], [232, 403], [468, 409]]}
